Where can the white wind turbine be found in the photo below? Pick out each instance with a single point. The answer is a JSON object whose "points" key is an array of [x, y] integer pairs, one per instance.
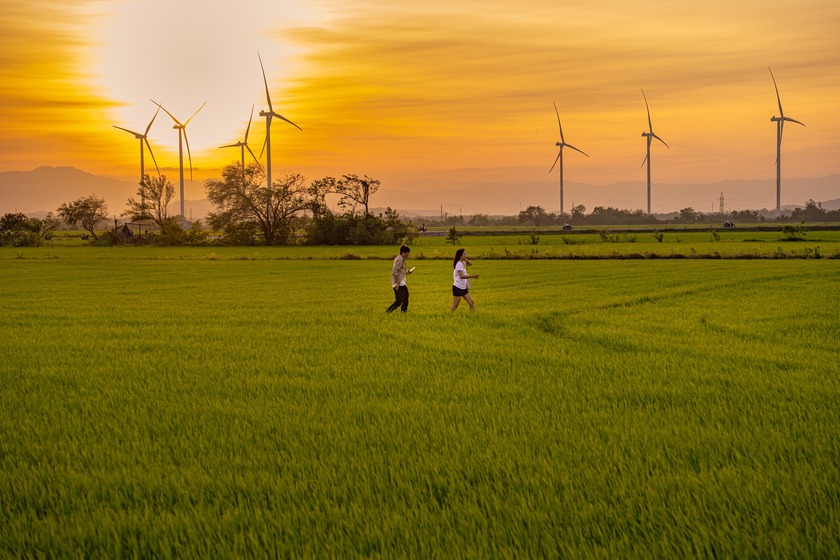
{"points": [[780, 126], [243, 145], [182, 137], [268, 116], [649, 135], [143, 138], [562, 144]]}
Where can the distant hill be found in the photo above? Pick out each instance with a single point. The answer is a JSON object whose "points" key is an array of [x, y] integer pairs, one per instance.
{"points": [[43, 189]]}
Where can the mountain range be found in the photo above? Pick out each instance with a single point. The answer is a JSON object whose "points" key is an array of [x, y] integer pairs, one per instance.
{"points": [[43, 189]]}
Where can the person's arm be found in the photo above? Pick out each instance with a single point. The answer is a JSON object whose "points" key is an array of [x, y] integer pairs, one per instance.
{"points": [[463, 274]]}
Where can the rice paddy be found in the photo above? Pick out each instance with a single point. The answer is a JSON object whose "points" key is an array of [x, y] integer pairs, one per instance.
{"points": [[248, 402]]}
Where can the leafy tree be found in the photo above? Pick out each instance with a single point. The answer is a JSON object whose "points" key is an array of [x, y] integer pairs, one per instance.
{"points": [[155, 195], [19, 231], [813, 212], [534, 215], [480, 220], [354, 229], [242, 199], [688, 216], [578, 212], [356, 190], [87, 212], [453, 236]]}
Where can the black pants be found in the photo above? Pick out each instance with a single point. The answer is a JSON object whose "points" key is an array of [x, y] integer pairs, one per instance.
{"points": [[400, 300]]}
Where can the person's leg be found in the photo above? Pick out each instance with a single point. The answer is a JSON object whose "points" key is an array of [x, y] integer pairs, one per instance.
{"points": [[396, 303], [456, 300], [469, 300], [404, 294]]}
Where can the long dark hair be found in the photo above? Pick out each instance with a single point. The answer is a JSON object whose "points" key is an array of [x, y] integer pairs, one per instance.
{"points": [[458, 254]]}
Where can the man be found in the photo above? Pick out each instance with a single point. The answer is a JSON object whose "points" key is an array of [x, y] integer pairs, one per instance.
{"points": [[398, 274]]}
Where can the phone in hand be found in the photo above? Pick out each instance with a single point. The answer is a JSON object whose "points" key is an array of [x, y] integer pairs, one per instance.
{"points": [[411, 269]]}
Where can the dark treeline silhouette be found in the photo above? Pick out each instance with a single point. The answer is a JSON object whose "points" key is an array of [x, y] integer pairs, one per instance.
{"points": [[607, 215]]}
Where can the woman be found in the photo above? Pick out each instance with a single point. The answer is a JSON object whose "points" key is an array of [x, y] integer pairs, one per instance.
{"points": [[461, 282]]}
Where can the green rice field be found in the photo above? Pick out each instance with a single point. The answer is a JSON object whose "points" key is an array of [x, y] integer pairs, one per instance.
{"points": [[222, 402]]}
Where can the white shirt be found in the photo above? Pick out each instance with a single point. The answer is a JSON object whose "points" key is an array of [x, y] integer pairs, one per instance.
{"points": [[459, 282], [398, 271]]}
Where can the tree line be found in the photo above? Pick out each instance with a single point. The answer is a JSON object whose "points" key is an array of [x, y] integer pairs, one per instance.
{"points": [[290, 211]]}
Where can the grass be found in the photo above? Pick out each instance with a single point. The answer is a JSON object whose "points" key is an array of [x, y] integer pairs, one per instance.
{"points": [[166, 404]]}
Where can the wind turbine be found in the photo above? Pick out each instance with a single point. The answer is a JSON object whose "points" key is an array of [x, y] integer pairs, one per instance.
{"points": [[780, 126], [268, 116], [182, 137], [143, 138], [649, 135], [562, 144], [243, 145]]}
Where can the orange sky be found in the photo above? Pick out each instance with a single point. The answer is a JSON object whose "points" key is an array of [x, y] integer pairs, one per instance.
{"points": [[427, 95]]}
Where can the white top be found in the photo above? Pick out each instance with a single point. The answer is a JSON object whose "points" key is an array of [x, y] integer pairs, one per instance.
{"points": [[398, 272], [459, 282]]}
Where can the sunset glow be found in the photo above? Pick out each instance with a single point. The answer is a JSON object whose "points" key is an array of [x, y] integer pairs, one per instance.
{"points": [[427, 95]]}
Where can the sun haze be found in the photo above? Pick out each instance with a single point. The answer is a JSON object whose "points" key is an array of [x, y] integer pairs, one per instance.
{"points": [[426, 95]]}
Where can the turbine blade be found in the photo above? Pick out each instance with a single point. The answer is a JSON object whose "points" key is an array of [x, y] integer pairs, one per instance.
{"points": [[661, 140], [248, 129], [793, 120], [267, 95], [779, 99], [194, 114], [263, 147], [237, 145], [151, 153], [151, 121], [645, 160], [253, 156], [136, 134], [647, 107], [575, 149], [556, 160], [560, 126], [281, 117], [167, 112], [189, 155]]}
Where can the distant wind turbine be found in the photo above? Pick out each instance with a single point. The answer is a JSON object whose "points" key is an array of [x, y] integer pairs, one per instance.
{"points": [[143, 138], [243, 145], [562, 144], [649, 135], [780, 126], [182, 137], [268, 116]]}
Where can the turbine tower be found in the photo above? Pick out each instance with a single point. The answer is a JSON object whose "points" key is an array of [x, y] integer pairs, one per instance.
{"points": [[143, 138], [780, 126], [268, 116], [562, 144], [649, 135], [182, 137], [243, 145]]}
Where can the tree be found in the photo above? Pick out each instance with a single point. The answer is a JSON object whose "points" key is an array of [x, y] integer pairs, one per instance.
{"points": [[155, 195], [355, 190], [243, 202], [578, 212], [534, 215], [688, 216], [87, 212], [813, 212], [480, 220], [19, 231]]}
